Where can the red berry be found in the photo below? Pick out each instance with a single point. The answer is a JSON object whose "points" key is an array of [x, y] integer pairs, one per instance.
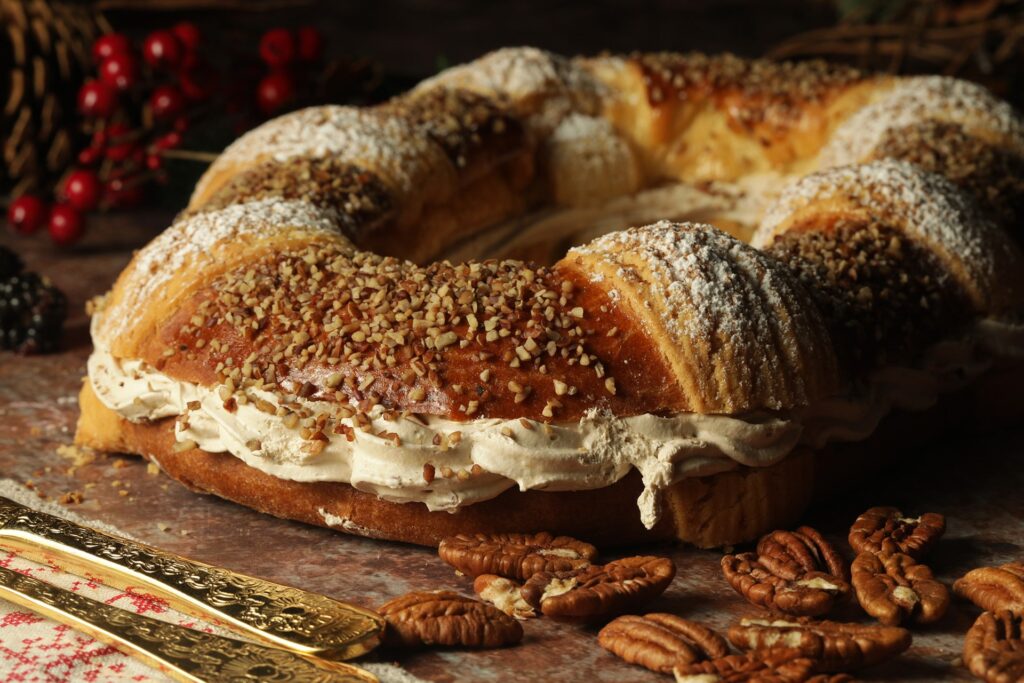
{"points": [[166, 102], [275, 91], [154, 162], [120, 71], [90, 155], [168, 141], [119, 193], [96, 98], [109, 45], [26, 214], [82, 190], [197, 84], [66, 225], [277, 47], [311, 44], [162, 49], [187, 34], [121, 144]]}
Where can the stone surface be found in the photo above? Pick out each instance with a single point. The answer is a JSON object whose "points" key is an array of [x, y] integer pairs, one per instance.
{"points": [[977, 487]]}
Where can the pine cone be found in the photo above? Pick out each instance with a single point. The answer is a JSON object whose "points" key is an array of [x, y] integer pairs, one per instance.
{"points": [[47, 45]]}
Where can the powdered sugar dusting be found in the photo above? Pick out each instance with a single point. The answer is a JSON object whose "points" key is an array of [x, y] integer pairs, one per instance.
{"points": [[196, 239], [923, 205], [376, 139], [545, 87], [723, 296], [923, 98]]}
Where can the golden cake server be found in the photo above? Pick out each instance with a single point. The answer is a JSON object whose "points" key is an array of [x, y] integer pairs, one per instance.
{"points": [[280, 616], [184, 654]]}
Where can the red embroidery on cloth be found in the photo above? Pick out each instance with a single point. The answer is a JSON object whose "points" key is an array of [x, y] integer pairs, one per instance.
{"points": [[34, 649]]}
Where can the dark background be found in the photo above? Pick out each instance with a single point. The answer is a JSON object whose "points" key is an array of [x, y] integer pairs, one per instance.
{"points": [[412, 38]]}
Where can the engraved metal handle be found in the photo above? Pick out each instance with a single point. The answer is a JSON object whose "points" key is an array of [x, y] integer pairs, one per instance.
{"points": [[183, 654], [281, 616]]}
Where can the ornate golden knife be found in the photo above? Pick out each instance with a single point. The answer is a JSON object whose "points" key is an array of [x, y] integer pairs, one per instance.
{"points": [[281, 616], [183, 654]]}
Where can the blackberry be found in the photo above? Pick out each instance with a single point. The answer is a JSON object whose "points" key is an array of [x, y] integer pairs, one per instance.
{"points": [[10, 264], [32, 311]]}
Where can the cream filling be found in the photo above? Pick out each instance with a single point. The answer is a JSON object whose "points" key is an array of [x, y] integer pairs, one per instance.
{"points": [[594, 452]]}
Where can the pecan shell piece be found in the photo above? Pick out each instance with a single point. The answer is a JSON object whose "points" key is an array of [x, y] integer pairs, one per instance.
{"points": [[812, 595], [515, 556], [834, 646], [894, 588], [504, 594], [659, 641], [994, 647], [446, 618], [791, 554], [885, 530], [599, 590], [776, 665], [994, 588]]}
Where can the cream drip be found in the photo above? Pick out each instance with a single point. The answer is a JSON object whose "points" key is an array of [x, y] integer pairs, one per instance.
{"points": [[594, 452]]}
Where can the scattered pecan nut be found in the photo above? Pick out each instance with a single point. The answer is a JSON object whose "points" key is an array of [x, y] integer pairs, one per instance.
{"points": [[791, 554], [599, 589], [776, 665], [894, 588], [447, 618], [812, 595], [885, 530], [659, 641], [994, 647], [504, 594], [834, 646], [994, 588], [515, 556]]}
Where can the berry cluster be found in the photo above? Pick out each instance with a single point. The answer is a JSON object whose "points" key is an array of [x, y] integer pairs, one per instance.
{"points": [[287, 55], [32, 310], [134, 110], [144, 98]]}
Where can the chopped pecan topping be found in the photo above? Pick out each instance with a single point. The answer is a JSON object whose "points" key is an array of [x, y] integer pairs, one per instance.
{"points": [[599, 589], [449, 619], [994, 588], [777, 665], [659, 641], [791, 554], [515, 556], [894, 588], [884, 530], [811, 595], [994, 647], [504, 594], [834, 646]]}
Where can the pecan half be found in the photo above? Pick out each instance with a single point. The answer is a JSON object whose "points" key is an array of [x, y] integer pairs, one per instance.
{"points": [[811, 595], [994, 588], [447, 618], [994, 647], [777, 665], [834, 646], [659, 641], [885, 530], [894, 587], [504, 594], [515, 556], [599, 589], [791, 554]]}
